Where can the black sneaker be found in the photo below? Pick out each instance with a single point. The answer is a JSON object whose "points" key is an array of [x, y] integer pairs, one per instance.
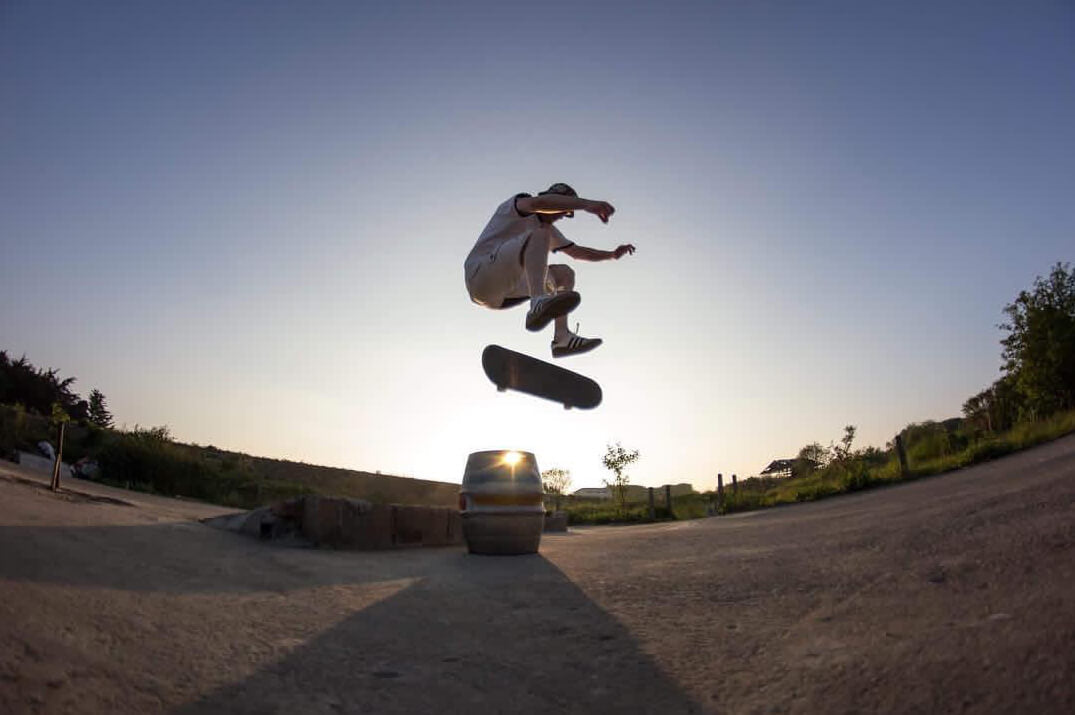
{"points": [[549, 307], [574, 345]]}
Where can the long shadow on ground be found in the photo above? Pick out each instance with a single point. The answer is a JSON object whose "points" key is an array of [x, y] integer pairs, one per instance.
{"points": [[451, 631], [496, 634]]}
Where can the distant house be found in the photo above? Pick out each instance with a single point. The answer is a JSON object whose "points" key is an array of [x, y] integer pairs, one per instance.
{"points": [[778, 468], [786, 467], [634, 492], [593, 493]]}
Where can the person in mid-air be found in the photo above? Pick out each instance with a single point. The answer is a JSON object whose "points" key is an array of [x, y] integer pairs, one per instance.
{"points": [[510, 262]]}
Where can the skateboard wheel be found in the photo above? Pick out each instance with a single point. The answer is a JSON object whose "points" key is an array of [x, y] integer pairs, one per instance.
{"points": [[501, 388]]}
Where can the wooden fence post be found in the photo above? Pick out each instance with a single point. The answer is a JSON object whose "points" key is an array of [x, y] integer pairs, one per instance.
{"points": [[668, 498], [720, 491], [652, 510], [59, 460], [902, 455], [735, 485]]}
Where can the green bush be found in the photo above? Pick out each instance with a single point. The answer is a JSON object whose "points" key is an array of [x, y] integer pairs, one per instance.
{"points": [[986, 450], [691, 506], [20, 429], [949, 445], [146, 459], [604, 512], [1028, 434], [743, 500], [929, 440]]}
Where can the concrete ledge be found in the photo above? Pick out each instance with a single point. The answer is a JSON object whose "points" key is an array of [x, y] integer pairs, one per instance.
{"points": [[344, 523], [427, 526]]}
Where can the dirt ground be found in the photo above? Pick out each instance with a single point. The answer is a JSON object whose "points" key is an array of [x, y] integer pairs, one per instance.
{"points": [[950, 594]]}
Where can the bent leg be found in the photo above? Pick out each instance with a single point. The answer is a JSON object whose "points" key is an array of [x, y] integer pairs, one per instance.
{"points": [[564, 342], [547, 302], [562, 278], [535, 258]]}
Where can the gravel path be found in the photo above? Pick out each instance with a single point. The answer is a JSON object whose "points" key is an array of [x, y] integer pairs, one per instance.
{"points": [[950, 594]]}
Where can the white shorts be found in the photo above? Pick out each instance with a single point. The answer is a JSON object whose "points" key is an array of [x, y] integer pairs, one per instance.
{"points": [[496, 276]]}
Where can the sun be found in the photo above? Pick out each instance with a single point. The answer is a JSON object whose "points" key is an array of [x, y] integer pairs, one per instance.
{"points": [[512, 458]]}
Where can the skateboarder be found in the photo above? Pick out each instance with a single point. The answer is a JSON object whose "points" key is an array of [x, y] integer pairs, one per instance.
{"points": [[510, 262]]}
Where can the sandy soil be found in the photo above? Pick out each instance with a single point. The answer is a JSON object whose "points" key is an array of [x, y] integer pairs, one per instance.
{"points": [[951, 594]]}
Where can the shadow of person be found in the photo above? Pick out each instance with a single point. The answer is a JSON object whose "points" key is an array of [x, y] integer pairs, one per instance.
{"points": [[420, 630], [496, 634]]}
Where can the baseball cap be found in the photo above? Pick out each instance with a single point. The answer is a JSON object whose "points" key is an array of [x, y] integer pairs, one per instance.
{"points": [[560, 188]]}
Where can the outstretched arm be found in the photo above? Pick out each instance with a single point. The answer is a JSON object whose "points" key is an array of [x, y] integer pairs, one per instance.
{"points": [[583, 253], [558, 204]]}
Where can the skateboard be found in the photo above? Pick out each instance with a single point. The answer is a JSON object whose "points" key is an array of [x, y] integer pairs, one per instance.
{"points": [[508, 369]]}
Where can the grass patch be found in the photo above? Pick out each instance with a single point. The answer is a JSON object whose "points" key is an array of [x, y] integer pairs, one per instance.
{"points": [[146, 461], [605, 512], [1022, 436], [600, 511], [855, 474]]}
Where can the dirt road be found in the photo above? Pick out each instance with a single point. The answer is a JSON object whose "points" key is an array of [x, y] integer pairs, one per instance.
{"points": [[951, 594]]}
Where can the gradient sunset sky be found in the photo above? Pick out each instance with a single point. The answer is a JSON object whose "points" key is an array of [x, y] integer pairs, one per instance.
{"points": [[247, 220]]}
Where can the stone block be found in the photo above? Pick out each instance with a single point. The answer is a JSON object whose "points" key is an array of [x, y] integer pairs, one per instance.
{"points": [[333, 521], [426, 526], [556, 521], [353, 523], [367, 528]]}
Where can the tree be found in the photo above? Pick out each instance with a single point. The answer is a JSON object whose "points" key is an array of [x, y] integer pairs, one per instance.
{"points": [[556, 481], [616, 460], [58, 414], [841, 452], [811, 457], [976, 410], [1039, 349], [38, 389], [98, 410], [995, 408], [152, 435]]}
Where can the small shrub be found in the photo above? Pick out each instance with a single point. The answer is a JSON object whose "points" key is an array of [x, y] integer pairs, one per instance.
{"points": [[743, 500], [20, 429], [986, 450], [858, 480], [146, 458], [589, 512]]}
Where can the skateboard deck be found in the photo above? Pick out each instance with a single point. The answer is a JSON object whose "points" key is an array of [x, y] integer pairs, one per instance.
{"points": [[508, 369]]}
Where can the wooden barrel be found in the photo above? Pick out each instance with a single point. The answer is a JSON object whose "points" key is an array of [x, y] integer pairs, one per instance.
{"points": [[501, 501]]}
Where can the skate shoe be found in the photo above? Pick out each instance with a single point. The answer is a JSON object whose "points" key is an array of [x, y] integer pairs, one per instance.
{"points": [[547, 308], [573, 345]]}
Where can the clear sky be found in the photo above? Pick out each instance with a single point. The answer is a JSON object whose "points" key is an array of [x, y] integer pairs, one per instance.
{"points": [[247, 220]]}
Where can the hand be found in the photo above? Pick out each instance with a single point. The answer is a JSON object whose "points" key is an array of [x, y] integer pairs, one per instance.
{"points": [[623, 250], [601, 209]]}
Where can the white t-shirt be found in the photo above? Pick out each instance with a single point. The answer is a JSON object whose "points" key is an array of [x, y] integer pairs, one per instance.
{"points": [[507, 223]]}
